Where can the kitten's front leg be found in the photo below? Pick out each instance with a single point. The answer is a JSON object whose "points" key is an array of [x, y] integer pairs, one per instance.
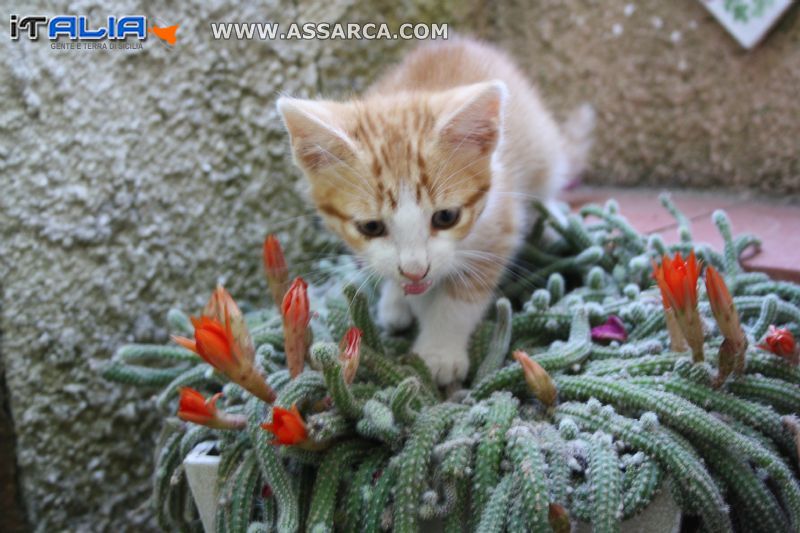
{"points": [[445, 326], [394, 312]]}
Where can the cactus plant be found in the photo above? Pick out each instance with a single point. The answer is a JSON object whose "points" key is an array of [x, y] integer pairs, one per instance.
{"points": [[380, 447]]}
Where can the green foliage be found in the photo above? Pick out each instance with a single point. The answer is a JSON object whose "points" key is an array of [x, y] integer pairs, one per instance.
{"points": [[391, 450], [522, 450], [502, 408], [606, 484]]}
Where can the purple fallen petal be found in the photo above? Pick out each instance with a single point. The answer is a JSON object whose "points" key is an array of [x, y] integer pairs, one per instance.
{"points": [[612, 330]]}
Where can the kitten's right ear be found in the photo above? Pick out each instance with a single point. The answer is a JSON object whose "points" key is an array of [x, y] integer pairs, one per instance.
{"points": [[316, 140], [473, 115]]}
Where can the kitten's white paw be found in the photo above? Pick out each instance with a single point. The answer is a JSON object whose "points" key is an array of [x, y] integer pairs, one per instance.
{"points": [[394, 313], [447, 365]]}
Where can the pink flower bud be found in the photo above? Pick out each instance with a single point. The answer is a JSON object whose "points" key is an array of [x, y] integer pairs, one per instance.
{"points": [[349, 352]]}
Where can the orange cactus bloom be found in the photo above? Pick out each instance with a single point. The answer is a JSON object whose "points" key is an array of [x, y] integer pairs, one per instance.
{"points": [[539, 381], [220, 305], [214, 342], [296, 333], [221, 339], [193, 407], [275, 268], [781, 342], [287, 426], [349, 353], [677, 280]]}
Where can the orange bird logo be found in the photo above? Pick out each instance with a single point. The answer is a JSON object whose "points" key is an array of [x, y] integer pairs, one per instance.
{"points": [[166, 33]]}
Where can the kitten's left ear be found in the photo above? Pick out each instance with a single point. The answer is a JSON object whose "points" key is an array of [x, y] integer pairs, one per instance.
{"points": [[474, 115], [317, 140]]}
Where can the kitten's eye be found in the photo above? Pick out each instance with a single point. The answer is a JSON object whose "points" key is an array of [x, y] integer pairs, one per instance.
{"points": [[371, 228], [445, 218]]}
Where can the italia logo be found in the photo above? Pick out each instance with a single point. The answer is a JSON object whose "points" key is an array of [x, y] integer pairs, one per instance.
{"points": [[78, 28]]}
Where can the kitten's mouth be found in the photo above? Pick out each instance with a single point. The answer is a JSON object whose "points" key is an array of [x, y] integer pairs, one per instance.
{"points": [[417, 287]]}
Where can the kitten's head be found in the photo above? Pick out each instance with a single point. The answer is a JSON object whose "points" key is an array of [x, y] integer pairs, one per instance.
{"points": [[402, 178]]}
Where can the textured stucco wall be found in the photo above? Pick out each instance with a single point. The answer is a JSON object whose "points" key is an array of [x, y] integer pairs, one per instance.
{"points": [[679, 102], [133, 181]]}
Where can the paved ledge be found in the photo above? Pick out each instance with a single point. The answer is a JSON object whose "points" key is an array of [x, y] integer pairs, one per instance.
{"points": [[775, 222]]}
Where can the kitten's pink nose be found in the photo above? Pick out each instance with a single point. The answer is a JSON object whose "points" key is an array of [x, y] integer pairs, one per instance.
{"points": [[414, 275]]}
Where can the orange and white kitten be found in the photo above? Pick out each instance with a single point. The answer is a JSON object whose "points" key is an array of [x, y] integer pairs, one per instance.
{"points": [[428, 176]]}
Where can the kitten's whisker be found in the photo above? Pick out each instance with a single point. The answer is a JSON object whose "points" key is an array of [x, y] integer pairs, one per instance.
{"points": [[458, 182], [323, 274], [360, 195], [316, 260], [449, 177], [358, 290], [515, 270], [478, 276], [513, 193], [458, 278], [280, 223], [345, 163]]}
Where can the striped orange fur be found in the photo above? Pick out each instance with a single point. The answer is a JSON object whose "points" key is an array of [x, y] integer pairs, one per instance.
{"points": [[456, 129]]}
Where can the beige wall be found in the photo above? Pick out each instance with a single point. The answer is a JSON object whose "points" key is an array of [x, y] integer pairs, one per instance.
{"points": [[679, 102]]}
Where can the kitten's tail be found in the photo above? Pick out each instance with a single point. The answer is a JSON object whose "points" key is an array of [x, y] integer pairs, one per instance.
{"points": [[578, 131]]}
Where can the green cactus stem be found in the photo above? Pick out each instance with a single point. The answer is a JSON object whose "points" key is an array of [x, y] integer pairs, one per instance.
{"points": [[391, 450]]}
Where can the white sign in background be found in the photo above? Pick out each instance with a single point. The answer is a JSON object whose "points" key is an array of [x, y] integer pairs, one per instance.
{"points": [[748, 21]]}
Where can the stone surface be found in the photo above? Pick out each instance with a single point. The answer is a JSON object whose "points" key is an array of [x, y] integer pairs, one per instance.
{"points": [[679, 102], [134, 181]]}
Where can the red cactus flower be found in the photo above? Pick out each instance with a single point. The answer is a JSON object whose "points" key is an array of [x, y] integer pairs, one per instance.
{"points": [[212, 341], [287, 426], [349, 353], [677, 279], [222, 340], [296, 333], [781, 342], [193, 407], [275, 268], [221, 337], [537, 378]]}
